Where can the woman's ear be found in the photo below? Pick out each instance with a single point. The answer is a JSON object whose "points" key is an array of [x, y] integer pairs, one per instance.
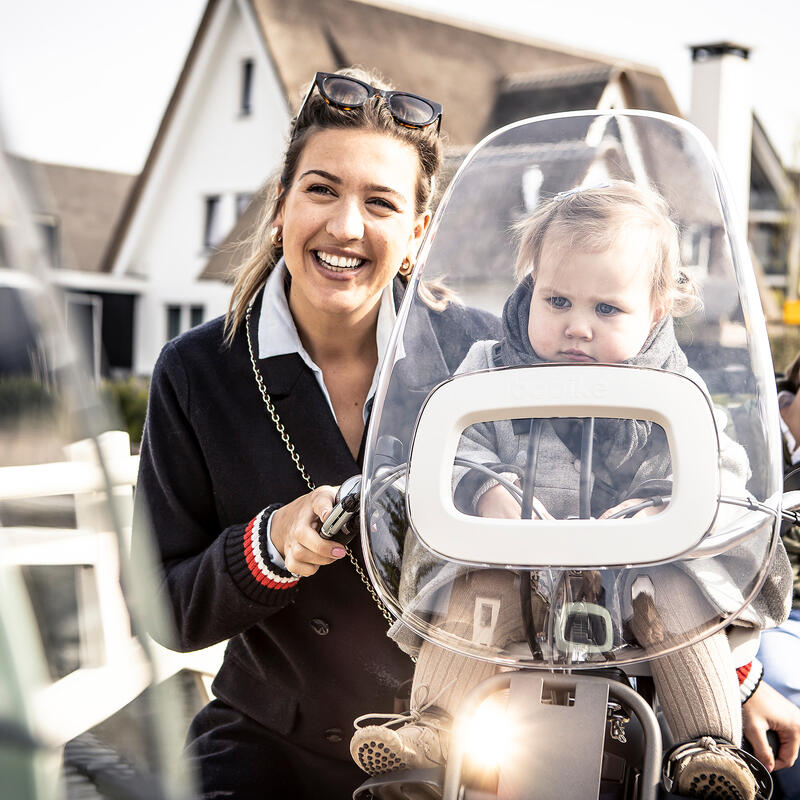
{"points": [[279, 198], [420, 226]]}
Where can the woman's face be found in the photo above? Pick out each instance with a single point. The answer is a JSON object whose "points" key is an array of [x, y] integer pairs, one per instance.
{"points": [[348, 222]]}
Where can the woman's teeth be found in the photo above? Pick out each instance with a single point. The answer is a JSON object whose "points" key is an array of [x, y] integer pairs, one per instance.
{"points": [[339, 263]]}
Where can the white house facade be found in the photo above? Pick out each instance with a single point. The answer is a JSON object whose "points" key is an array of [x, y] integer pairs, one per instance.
{"points": [[219, 141]]}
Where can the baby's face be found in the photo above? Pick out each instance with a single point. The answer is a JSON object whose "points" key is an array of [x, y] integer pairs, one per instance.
{"points": [[590, 307]]}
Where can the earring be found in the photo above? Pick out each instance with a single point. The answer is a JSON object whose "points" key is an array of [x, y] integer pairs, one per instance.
{"points": [[406, 267], [276, 236]]}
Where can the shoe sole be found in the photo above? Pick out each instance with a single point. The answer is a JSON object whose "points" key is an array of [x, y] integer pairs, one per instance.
{"points": [[377, 758], [707, 781]]}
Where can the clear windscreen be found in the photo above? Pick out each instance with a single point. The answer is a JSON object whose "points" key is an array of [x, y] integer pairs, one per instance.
{"points": [[594, 480]]}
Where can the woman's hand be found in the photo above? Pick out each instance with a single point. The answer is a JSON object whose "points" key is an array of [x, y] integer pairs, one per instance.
{"points": [[294, 532], [767, 709]]}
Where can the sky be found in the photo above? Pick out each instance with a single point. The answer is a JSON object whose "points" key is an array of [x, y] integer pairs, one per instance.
{"points": [[86, 82]]}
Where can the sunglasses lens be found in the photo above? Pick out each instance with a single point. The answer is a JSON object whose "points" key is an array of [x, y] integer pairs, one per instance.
{"points": [[411, 110], [344, 92]]}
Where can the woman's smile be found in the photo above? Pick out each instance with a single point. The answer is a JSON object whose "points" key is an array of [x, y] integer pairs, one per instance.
{"points": [[338, 263]]}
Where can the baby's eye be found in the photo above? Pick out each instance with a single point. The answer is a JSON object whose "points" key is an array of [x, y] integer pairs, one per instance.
{"points": [[606, 309], [558, 302]]}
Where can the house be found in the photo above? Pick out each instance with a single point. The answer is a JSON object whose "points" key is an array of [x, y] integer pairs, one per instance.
{"points": [[75, 210], [179, 236]]}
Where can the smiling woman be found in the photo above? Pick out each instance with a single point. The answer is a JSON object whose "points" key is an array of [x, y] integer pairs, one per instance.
{"points": [[254, 418]]}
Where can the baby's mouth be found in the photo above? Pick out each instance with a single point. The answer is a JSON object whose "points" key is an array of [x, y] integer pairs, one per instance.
{"points": [[576, 355], [338, 263]]}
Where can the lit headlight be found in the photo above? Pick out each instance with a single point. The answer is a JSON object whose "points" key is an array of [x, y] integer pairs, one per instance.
{"points": [[488, 735]]}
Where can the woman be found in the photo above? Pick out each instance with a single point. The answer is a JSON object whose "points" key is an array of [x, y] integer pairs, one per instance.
{"points": [[249, 413]]}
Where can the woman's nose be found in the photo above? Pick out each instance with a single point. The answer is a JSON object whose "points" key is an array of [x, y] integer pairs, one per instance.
{"points": [[346, 222]]}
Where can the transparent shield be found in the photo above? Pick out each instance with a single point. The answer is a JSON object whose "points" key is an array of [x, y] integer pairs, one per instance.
{"points": [[80, 706], [600, 483]]}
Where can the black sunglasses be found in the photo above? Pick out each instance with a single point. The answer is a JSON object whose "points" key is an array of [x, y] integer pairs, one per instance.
{"points": [[341, 91]]}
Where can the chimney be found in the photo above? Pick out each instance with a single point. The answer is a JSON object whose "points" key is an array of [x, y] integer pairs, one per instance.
{"points": [[722, 107]]}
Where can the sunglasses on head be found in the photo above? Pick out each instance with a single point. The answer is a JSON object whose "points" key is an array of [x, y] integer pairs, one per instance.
{"points": [[341, 91]]}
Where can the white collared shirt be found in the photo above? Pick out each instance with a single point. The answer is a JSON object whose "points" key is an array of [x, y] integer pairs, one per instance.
{"points": [[277, 336]]}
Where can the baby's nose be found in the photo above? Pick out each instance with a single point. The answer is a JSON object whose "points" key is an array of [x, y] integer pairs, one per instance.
{"points": [[578, 327]]}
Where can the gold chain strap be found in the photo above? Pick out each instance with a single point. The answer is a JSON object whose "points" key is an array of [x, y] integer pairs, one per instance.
{"points": [[302, 470]]}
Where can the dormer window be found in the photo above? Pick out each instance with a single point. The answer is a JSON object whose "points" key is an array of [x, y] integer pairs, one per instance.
{"points": [[246, 96]]}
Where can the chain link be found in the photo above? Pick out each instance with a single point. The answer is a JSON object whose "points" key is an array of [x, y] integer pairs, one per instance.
{"points": [[302, 470]]}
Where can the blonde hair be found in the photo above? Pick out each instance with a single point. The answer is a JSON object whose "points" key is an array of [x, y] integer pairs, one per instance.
{"points": [[317, 115], [592, 219]]}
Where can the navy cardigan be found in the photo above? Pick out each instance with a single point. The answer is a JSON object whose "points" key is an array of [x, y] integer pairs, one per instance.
{"points": [[303, 661]]}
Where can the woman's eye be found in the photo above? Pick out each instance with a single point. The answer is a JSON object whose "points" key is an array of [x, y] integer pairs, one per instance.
{"points": [[606, 309], [319, 188], [558, 302], [382, 202]]}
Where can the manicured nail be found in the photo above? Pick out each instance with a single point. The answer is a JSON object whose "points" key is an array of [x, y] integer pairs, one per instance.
{"points": [[338, 552]]}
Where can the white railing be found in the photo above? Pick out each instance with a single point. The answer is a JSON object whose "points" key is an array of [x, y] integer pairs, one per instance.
{"points": [[114, 668]]}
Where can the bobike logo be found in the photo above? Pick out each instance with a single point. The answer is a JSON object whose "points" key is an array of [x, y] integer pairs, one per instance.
{"points": [[565, 389]]}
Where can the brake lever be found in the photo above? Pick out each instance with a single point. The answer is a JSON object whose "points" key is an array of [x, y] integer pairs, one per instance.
{"points": [[342, 524]]}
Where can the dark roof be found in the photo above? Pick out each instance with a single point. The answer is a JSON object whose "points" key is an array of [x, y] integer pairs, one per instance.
{"points": [[83, 205], [458, 66], [549, 92]]}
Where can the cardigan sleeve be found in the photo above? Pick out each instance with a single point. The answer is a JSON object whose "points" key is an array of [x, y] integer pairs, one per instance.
{"points": [[216, 582]]}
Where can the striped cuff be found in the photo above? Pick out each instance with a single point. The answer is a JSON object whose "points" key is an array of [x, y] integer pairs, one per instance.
{"points": [[250, 568], [749, 676], [257, 557]]}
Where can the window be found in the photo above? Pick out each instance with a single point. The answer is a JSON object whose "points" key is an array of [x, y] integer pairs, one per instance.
{"points": [[48, 230], [212, 230], [532, 180], [173, 321], [195, 315], [246, 97], [242, 201], [84, 313], [695, 242]]}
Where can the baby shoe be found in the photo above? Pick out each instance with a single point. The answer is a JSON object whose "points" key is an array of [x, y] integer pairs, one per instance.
{"points": [[420, 741], [709, 768]]}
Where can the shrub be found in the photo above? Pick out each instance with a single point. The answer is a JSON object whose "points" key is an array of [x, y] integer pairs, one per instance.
{"points": [[128, 397]]}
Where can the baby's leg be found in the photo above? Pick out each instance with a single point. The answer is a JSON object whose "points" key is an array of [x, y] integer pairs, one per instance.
{"points": [[698, 689], [483, 608], [697, 684]]}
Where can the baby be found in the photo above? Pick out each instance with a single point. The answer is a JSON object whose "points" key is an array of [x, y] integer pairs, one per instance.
{"points": [[599, 282]]}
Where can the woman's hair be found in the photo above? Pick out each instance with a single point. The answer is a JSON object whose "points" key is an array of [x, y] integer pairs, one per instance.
{"points": [[592, 219], [317, 115]]}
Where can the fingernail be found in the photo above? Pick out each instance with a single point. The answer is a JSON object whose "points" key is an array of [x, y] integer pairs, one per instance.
{"points": [[338, 552]]}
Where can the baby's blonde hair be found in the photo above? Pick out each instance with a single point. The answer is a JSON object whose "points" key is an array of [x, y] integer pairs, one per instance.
{"points": [[592, 219]]}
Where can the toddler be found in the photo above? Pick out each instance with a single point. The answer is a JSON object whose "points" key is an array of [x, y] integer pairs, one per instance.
{"points": [[599, 282]]}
